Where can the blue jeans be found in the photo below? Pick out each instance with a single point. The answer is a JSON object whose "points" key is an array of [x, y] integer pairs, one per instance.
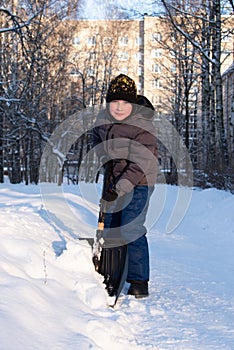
{"points": [[128, 225]]}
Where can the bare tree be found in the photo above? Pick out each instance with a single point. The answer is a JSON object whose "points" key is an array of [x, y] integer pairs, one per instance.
{"points": [[35, 43], [204, 17]]}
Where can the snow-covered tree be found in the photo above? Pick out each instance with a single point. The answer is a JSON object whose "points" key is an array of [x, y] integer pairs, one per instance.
{"points": [[34, 49], [200, 25]]}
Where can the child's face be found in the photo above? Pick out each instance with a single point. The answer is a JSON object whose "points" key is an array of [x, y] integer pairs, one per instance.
{"points": [[120, 109]]}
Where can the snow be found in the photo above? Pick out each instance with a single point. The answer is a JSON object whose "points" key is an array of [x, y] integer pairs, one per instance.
{"points": [[51, 297]]}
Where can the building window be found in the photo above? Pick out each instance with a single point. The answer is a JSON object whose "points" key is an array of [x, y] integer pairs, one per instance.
{"points": [[123, 40], [90, 71], [156, 37], [91, 40], [156, 53], [139, 56], [174, 37], [123, 56], [156, 100], [156, 83], [138, 40], [107, 56], [173, 68], [156, 68], [139, 87], [139, 71], [76, 40], [107, 41], [92, 55]]}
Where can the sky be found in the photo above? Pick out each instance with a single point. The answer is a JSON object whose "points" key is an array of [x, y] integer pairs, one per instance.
{"points": [[51, 297], [92, 9]]}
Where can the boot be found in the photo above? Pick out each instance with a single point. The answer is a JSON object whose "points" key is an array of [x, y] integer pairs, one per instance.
{"points": [[139, 289]]}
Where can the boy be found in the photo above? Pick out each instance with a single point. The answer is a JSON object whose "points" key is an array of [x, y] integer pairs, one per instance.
{"points": [[124, 138]]}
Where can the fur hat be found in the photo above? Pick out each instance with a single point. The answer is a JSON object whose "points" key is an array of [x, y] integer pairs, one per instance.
{"points": [[122, 88]]}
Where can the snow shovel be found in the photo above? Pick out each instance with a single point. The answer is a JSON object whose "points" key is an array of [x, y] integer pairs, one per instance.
{"points": [[110, 260]]}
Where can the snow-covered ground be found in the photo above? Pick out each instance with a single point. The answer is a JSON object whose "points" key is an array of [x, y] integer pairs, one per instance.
{"points": [[51, 297]]}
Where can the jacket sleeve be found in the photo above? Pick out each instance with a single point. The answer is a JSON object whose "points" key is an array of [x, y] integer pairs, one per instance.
{"points": [[97, 144], [142, 162], [95, 137]]}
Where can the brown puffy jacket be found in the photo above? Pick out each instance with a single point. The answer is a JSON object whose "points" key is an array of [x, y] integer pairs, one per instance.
{"points": [[131, 145]]}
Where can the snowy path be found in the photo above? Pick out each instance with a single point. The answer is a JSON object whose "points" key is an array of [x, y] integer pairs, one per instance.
{"points": [[57, 301]]}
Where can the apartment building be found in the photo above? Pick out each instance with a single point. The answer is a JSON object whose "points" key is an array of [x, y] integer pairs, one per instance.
{"points": [[148, 51], [143, 49], [102, 49]]}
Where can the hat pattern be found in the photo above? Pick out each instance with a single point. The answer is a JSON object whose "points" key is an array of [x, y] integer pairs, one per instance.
{"points": [[122, 88]]}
